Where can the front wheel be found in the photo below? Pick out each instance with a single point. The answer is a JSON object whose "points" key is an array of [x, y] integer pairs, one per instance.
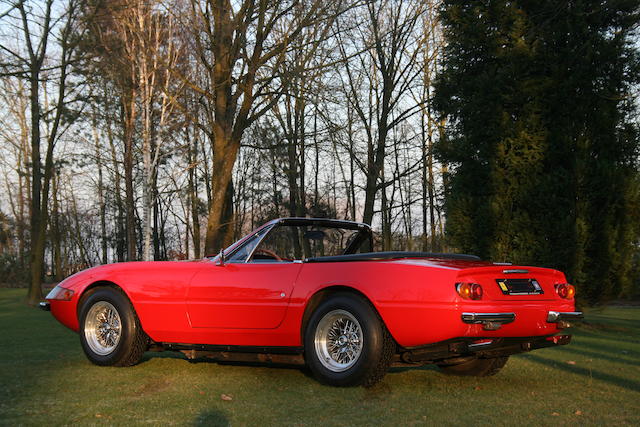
{"points": [[346, 342], [110, 332], [476, 367]]}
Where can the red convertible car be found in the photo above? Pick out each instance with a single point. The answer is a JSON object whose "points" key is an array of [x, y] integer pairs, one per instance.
{"points": [[304, 290]]}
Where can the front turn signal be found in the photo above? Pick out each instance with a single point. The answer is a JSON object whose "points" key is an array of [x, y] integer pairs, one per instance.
{"points": [[61, 294]]}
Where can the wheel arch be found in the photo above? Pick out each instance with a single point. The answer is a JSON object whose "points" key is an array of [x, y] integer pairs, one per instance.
{"points": [[324, 293], [100, 284]]}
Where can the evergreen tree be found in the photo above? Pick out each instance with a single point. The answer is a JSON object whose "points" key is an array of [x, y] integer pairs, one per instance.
{"points": [[542, 144]]}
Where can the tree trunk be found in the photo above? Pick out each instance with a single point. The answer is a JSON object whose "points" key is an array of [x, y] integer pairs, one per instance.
{"points": [[225, 152], [120, 244], [193, 196], [425, 207], [147, 204], [157, 254], [37, 246], [101, 201], [55, 231], [129, 121]]}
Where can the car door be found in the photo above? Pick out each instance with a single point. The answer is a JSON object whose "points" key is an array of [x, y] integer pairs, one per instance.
{"points": [[241, 295]]}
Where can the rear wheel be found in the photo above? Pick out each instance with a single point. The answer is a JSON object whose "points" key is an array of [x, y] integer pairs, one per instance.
{"points": [[476, 367], [346, 342], [110, 332]]}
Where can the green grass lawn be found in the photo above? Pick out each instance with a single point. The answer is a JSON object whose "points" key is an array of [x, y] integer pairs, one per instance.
{"points": [[45, 379]]}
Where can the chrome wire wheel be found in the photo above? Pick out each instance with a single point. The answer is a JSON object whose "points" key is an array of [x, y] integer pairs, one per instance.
{"points": [[338, 340], [102, 328]]}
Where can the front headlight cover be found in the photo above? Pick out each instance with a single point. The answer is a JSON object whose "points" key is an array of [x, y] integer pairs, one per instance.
{"points": [[60, 293]]}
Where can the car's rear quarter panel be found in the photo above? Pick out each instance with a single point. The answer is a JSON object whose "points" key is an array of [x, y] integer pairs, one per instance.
{"points": [[407, 295], [418, 303]]}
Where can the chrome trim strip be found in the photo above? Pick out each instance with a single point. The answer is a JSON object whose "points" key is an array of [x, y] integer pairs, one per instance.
{"points": [[475, 347], [540, 292], [238, 244], [501, 318], [311, 221], [558, 316], [515, 271], [266, 233]]}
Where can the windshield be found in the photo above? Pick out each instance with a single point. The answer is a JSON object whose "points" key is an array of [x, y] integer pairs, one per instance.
{"points": [[286, 243]]}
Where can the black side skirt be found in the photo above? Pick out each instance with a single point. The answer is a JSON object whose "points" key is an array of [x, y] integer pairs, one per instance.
{"points": [[277, 355], [234, 348]]}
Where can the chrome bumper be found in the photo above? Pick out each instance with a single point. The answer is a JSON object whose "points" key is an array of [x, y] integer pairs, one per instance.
{"points": [[44, 305], [563, 316], [489, 321]]}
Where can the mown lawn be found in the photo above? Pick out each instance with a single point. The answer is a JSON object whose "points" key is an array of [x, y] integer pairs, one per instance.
{"points": [[45, 379]]}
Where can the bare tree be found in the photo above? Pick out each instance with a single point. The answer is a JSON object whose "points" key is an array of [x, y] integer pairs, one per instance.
{"points": [[149, 44], [37, 24], [248, 43], [429, 123], [109, 46], [14, 133], [381, 65]]}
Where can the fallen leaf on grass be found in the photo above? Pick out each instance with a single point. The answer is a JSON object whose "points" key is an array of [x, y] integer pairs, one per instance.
{"points": [[555, 414], [477, 387], [226, 397], [571, 362], [578, 412]]}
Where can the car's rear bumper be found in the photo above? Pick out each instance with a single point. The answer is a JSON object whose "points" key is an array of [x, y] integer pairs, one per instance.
{"points": [[559, 316], [474, 347], [420, 324], [489, 321], [493, 321]]}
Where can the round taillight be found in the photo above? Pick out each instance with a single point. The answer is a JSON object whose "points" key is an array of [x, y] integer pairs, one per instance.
{"points": [[469, 290], [476, 291], [464, 290], [562, 290], [565, 290]]}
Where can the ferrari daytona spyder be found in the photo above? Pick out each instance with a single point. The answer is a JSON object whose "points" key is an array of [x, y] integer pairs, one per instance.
{"points": [[309, 291]]}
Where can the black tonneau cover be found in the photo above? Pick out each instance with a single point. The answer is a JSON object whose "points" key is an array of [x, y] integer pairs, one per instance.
{"points": [[376, 256]]}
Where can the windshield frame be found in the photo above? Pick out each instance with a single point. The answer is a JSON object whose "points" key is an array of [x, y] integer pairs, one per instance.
{"points": [[363, 233]]}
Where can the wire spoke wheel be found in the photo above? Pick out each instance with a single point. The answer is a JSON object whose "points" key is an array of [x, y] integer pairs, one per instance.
{"points": [[338, 340], [102, 328]]}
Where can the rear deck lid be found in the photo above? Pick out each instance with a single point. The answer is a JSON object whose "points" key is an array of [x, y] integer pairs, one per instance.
{"points": [[511, 283]]}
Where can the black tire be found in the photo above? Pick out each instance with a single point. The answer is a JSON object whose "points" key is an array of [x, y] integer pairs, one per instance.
{"points": [[476, 367], [132, 341], [377, 345]]}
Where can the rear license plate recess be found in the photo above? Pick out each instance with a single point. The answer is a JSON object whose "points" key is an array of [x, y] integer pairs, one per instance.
{"points": [[519, 286]]}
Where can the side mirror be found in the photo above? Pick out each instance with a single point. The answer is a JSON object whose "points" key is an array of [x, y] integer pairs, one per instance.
{"points": [[220, 260]]}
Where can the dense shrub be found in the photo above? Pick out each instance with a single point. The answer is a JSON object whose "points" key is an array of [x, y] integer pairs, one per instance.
{"points": [[14, 272]]}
